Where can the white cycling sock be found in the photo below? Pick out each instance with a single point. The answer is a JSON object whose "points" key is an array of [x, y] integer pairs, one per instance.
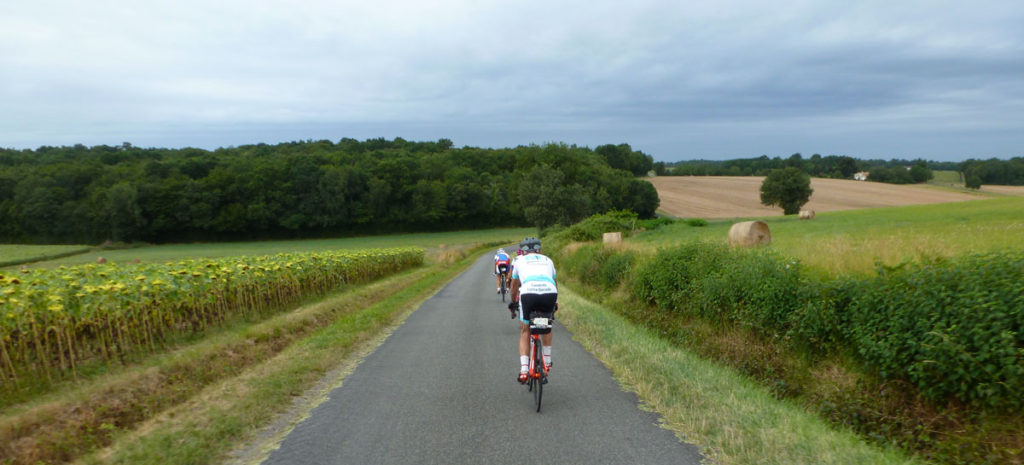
{"points": [[546, 351], [524, 363]]}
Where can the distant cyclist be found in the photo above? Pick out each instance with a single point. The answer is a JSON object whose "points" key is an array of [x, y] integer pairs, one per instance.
{"points": [[508, 277], [533, 291], [502, 265]]}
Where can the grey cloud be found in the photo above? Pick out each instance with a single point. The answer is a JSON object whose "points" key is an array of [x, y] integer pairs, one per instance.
{"points": [[733, 78]]}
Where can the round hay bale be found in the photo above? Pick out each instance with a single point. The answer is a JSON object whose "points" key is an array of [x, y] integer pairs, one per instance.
{"points": [[612, 238], [101, 260], [806, 214], [749, 234]]}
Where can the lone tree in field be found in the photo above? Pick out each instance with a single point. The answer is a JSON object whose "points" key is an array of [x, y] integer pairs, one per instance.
{"points": [[973, 182], [788, 188]]}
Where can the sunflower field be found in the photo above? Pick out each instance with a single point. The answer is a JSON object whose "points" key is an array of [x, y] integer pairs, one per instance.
{"points": [[52, 320]]}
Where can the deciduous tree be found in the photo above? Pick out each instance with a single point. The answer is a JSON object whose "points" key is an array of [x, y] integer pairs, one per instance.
{"points": [[788, 188]]}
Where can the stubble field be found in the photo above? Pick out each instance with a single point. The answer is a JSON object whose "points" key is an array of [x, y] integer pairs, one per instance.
{"points": [[740, 196]]}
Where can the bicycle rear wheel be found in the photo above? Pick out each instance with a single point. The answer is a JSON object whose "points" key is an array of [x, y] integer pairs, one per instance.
{"points": [[538, 363], [530, 381], [503, 289]]}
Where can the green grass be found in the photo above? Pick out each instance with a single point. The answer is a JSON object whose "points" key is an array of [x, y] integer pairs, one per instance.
{"points": [[736, 421], [170, 252], [14, 254], [947, 178], [853, 241]]}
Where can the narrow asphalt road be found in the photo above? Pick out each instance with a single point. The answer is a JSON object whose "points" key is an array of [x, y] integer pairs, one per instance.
{"points": [[441, 390]]}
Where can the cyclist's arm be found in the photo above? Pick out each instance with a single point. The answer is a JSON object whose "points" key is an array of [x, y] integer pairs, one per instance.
{"points": [[514, 292]]}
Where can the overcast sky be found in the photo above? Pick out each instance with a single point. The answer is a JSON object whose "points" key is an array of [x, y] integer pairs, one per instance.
{"points": [[723, 79]]}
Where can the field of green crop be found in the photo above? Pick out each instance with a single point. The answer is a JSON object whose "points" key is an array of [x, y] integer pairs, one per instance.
{"points": [[12, 254], [171, 252], [853, 241], [947, 178]]}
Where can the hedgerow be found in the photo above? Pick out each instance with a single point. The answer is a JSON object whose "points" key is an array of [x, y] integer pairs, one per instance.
{"points": [[598, 266], [953, 328]]}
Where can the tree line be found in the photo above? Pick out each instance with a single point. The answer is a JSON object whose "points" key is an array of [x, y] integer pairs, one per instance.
{"points": [[993, 171], [79, 194], [895, 171]]}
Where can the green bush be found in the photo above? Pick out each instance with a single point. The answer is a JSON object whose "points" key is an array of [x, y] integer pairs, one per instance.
{"points": [[593, 227], [597, 266], [668, 279], [614, 269], [551, 230], [655, 223], [582, 264], [752, 288], [696, 222], [819, 321], [954, 328]]}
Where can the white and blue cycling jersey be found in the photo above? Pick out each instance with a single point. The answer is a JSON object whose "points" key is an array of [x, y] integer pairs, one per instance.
{"points": [[536, 274]]}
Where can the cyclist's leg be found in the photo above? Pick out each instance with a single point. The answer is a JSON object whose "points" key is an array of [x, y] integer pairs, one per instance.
{"points": [[524, 339], [524, 326], [524, 345], [547, 305], [546, 348]]}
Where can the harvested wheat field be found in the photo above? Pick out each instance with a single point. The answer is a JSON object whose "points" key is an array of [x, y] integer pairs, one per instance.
{"points": [[1004, 190], [740, 196]]}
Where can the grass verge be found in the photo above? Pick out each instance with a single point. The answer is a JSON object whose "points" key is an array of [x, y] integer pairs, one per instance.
{"points": [[232, 412], [734, 419]]}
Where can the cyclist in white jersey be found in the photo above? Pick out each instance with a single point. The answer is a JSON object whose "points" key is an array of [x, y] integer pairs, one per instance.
{"points": [[533, 291]]}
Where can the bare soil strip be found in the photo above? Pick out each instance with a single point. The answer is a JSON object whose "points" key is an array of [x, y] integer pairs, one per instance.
{"points": [[740, 196]]}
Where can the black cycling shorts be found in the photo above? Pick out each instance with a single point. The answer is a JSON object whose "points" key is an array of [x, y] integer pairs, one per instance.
{"points": [[536, 304]]}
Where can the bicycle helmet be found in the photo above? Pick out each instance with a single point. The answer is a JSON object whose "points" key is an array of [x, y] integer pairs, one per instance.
{"points": [[529, 244]]}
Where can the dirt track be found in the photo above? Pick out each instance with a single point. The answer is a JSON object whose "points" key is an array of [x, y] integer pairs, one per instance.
{"points": [[740, 196]]}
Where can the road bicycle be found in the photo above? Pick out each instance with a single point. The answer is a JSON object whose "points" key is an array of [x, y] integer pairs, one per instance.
{"points": [[503, 271], [537, 376]]}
